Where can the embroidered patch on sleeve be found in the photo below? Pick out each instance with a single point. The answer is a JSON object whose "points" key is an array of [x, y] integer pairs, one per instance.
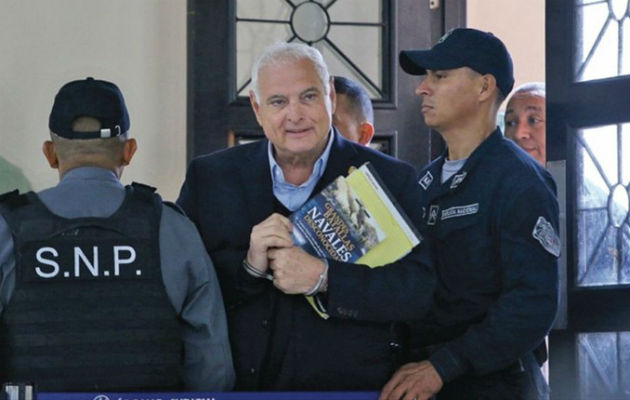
{"points": [[460, 211], [546, 235], [433, 214]]}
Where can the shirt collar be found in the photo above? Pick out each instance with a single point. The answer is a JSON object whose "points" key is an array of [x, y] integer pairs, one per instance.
{"points": [[89, 173], [277, 176]]}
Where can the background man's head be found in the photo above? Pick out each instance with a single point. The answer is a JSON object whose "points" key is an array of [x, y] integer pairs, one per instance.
{"points": [[89, 126], [525, 119], [354, 115], [293, 99]]}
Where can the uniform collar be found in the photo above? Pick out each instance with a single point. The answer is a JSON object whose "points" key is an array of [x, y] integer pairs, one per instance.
{"points": [[431, 176], [89, 174], [484, 148]]}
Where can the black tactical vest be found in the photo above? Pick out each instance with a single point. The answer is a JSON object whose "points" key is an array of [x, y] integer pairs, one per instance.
{"points": [[89, 311]]}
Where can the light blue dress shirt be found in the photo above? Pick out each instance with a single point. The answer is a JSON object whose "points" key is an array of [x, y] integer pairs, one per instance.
{"points": [[290, 195]]}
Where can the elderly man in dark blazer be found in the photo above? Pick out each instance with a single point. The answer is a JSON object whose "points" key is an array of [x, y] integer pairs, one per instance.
{"points": [[240, 198]]}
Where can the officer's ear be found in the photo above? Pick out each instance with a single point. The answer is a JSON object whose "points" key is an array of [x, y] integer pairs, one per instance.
{"points": [[488, 87], [48, 148], [129, 149], [366, 132]]}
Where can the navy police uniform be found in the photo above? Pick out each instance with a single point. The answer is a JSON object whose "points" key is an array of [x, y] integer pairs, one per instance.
{"points": [[97, 279], [494, 225], [103, 287]]}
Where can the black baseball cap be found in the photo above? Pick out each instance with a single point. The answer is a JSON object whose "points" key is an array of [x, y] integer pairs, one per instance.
{"points": [[93, 98], [464, 47]]}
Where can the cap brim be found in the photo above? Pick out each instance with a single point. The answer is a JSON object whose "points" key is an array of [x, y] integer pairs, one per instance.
{"points": [[417, 62], [414, 62]]}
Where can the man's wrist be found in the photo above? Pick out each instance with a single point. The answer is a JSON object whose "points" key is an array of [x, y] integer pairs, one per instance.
{"points": [[255, 272], [322, 281]]}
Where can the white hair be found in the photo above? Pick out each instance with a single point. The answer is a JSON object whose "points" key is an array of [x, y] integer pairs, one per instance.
{"points": [[282, 52], [533, 88]]}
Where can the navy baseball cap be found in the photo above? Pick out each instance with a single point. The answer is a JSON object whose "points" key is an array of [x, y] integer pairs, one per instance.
{"points": [[93, 98], [464, 47]]}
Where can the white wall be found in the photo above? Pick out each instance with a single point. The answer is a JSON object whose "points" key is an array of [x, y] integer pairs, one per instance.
{"points": [[140, 45], [521, 26]]}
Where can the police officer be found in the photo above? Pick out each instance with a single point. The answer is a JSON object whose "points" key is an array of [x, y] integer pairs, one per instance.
{"points": [[103, 287], [354, 115], [493, 215]]}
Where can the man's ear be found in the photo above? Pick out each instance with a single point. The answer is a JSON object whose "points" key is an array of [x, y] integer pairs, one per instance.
{"points": [[48, 148], [488, 86], [255, 105], [366, 132], [129, 149]]}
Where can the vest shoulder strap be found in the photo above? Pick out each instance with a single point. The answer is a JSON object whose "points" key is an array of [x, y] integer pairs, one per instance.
{"points": [[143, 187], [146, 193], [13, 199]]}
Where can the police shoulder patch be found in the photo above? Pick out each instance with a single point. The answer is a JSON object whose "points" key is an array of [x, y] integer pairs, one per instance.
{"points": [[546, 235]]}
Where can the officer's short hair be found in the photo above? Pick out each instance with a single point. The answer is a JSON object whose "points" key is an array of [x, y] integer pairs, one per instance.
{"points": [[358, 99], [75, 150]]}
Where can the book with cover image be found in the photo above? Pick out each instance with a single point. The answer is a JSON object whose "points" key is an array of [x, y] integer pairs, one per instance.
{"points": [[354, 219]]}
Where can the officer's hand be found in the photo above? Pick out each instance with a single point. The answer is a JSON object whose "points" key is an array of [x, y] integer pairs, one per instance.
{"points": [[275, 231], [413, 381], [294, 270]]}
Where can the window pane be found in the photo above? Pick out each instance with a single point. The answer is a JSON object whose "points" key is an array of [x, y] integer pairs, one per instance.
{"points": [[603, 203], [604, 365], [267, 9], [252, 37], [355, 44], [348, 33], [602, 39], [356, 11]]}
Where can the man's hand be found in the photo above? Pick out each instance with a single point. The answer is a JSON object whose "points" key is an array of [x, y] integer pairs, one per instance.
{"points": [[413, 381], [275, 231], [294, 270]]}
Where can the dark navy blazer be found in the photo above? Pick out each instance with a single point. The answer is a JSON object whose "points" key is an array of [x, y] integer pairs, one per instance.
{"points": [[278, 341]]}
